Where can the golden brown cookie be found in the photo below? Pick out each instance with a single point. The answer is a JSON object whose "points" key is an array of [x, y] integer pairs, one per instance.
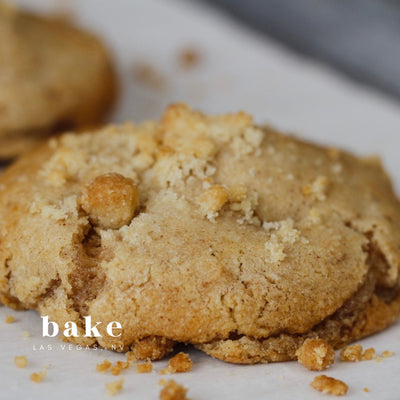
{"points": [[201, 229], [53, 76]]}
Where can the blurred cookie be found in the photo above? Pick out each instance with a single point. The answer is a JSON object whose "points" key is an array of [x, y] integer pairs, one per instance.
{"points": [[53, 76], [205, 230]]}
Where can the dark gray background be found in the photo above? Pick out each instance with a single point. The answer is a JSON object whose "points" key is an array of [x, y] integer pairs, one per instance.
{"points": [[358, 37]]}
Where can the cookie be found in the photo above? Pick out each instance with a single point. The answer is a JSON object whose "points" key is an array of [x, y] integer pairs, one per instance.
{"points": [[53, 76], [201, 229]]}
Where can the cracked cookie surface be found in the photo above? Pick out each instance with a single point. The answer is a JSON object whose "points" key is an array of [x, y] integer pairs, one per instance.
{"points": [[201, 229], [53, 76]]}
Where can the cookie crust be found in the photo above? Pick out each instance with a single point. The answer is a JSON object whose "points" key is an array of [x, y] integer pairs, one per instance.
{"points": [[243, 242]]}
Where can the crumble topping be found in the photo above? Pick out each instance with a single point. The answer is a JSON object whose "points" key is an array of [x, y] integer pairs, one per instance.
{"points": [[283, 234], [212, 200], [110, 200], [317, 189]]}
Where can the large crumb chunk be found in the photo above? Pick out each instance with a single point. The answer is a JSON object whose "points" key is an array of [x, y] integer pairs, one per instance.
{"points": [[173, 391], [38, 377], [115, 387], [20, 361], [104, 366], [144, 368], [316, 354], [326, 384], [110, 200], [9, 319], [352, 353], [179, 363]]}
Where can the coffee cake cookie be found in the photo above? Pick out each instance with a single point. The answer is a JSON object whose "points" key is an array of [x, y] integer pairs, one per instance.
{"points": [[203, 230], [52, 76]]}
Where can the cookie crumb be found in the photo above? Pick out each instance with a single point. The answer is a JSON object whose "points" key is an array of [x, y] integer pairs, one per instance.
{"points": [[26, 334], [387, 354], [316, 354], [119, 366], [189, 57], [9, 319], [326, 384], [37, 377], [104, 366], [20, 361], [147, 75], [366, 390], [179, 363], [115, 387], [144, 368], [369, 354], [173, 391], [353, 353]]}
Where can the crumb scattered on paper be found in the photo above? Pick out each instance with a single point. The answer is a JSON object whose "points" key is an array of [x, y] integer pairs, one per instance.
{"points": [[9, 319], [189, 57], [147, 75], [326, 384], [173, 391], [20, 361], [37, 377], [115, 387], [103, 366], [179, 363]]}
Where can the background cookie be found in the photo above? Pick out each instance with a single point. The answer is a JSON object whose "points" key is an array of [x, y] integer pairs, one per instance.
{"points": [[52, 77], [207, 230]]}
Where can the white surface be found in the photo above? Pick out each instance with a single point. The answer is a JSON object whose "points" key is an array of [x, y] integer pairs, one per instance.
{"points": [[239, 70]]}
